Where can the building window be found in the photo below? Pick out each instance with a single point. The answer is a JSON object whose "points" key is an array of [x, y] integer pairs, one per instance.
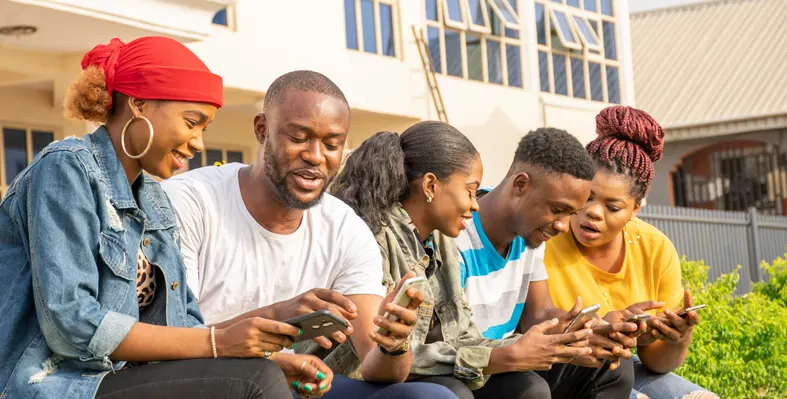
{"points": [[371, 26], [215, 157], [18, 146], [476, 40], [577, 49], [225, 17]]}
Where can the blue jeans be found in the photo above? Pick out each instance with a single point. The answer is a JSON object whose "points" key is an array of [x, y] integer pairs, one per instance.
{"points": [[660, 386], [344, 387]]}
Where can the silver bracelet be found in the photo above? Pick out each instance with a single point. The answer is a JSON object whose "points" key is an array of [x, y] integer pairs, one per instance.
{"points": [[213, 341]]}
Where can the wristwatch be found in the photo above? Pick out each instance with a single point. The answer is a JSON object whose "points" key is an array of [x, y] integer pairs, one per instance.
{"points": [[404, 349]]}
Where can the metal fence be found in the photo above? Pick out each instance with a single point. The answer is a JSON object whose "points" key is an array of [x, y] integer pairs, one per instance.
{"points": [[723, 239]]}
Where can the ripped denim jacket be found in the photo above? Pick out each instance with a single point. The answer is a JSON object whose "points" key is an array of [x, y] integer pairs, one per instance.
{"points": [[70, 230]]}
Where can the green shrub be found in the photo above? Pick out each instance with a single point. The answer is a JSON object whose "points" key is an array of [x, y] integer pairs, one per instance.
{"points": [[739, 349]]}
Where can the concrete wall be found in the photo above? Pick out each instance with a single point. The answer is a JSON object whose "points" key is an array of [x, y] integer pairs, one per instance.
{"points": [[674, 152]]}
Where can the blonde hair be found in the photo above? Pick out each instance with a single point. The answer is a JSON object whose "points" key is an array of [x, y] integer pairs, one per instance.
{"points": [[87, 97]]}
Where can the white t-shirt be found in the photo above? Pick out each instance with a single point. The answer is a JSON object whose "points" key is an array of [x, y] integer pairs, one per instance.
{"points": [[234, 265], [496, 287]]}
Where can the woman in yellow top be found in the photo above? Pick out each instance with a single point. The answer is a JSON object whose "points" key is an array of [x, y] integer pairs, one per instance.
{"points": [[613, 258]]}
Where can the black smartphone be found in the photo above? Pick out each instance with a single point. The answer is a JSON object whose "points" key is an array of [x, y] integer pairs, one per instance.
{"points": [[321, 323]]}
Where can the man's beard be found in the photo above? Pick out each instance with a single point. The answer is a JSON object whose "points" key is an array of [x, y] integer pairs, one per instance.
{"points": [[279, 180]]}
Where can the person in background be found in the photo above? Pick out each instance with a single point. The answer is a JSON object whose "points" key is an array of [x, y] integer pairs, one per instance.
{"points": [[92, 277], [611, 257], [264, 240], [416, 192], [502, 263]]}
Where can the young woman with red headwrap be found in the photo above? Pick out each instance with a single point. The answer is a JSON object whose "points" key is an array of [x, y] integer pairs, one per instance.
{"points": [[94, 287], [613, 258]]}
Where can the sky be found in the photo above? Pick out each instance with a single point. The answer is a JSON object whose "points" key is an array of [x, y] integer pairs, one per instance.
{"points": [[643, 5]]}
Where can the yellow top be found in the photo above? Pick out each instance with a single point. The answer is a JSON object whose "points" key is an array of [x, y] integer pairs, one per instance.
{"points": [[651, 270]]}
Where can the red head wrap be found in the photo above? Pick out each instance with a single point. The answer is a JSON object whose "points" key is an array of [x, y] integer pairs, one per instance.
{"points": [[155, 68]]}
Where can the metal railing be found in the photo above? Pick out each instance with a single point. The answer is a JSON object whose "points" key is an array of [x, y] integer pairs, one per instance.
{"points": [[723, 239]]}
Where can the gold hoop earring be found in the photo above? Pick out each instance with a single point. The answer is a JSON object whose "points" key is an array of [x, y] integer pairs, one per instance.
{"points": [[626, 235], [429, 199], [123, 137]]}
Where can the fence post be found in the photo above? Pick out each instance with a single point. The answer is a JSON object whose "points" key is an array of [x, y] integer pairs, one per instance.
{"points": [[756, 254]]}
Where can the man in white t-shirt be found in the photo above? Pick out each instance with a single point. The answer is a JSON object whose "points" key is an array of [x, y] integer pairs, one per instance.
{"points": [[265, 240]]}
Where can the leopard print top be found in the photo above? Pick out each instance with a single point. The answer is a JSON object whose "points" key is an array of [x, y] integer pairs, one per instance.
{"points": [[146, 280]]}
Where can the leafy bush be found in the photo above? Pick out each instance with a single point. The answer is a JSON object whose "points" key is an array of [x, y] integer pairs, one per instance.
{"points": [[739, 349]]}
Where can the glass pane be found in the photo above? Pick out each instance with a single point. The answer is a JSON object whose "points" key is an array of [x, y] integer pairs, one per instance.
{"points": [[476, 12], [586, 30], [610, 47], [606, 7], [431, 10], [541, 25], [350, 27], [15, 142], [505, 14], [41, 140], [559, 65], [596, 91], [213, 156], [474, 57], [573, 3], [513, 33], [196, 162], [386, 30], [497, 24], [367, 24], [455, 10], [453, 53], [493, 62], [513, 54], [234, 156], [594, 24], [578, 78], [613, 85], [562, 23], [590, 5], [433, 41], [221, 17], [543, 69]]}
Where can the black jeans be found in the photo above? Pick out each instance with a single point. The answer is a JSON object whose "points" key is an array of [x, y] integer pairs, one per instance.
{"points": [[199, 378], [563, 381]]}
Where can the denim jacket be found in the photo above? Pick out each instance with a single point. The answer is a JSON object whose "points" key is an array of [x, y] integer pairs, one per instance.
{"points": [[70, 230], [464, 352]]}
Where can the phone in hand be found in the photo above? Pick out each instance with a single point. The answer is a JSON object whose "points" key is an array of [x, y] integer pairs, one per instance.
{"points": [[581, 318], [401, 299], [685, 312], [638, 317], [321, 323]]}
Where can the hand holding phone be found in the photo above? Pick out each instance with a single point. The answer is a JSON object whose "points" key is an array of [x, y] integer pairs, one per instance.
{"points": [[321, 323], [401, 298], [675, 327], [581, 318]]}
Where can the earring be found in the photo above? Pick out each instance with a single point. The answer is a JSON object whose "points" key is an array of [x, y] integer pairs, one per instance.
{"points": [[429, 199], [626, 235], [123, 137]]}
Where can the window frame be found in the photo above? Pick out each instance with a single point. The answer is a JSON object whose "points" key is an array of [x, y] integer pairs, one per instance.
{"points": [[29, 129], [378, 36], [232, 22], [487, 27], [517, 25], [577, 45], [585, 53], [224, 148], [447, 15], [586, 20]]}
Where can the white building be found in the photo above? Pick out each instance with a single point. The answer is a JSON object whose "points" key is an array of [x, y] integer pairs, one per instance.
{"points": [[504, 67]]}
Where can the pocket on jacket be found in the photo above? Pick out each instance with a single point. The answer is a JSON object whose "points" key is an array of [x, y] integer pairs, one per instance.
{"points": [[113, 253]]}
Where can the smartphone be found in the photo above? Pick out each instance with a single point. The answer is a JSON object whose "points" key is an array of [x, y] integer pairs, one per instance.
{"points": [[402, 299], [638, 317], [321, 323], [581, 318], [685, 312]]}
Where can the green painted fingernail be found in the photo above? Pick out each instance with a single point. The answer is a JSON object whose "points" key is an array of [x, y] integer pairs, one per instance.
{"points": [[307, 388], [320, 375], [322, 386], [293, 346], [296, 384], [300, 332]]}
